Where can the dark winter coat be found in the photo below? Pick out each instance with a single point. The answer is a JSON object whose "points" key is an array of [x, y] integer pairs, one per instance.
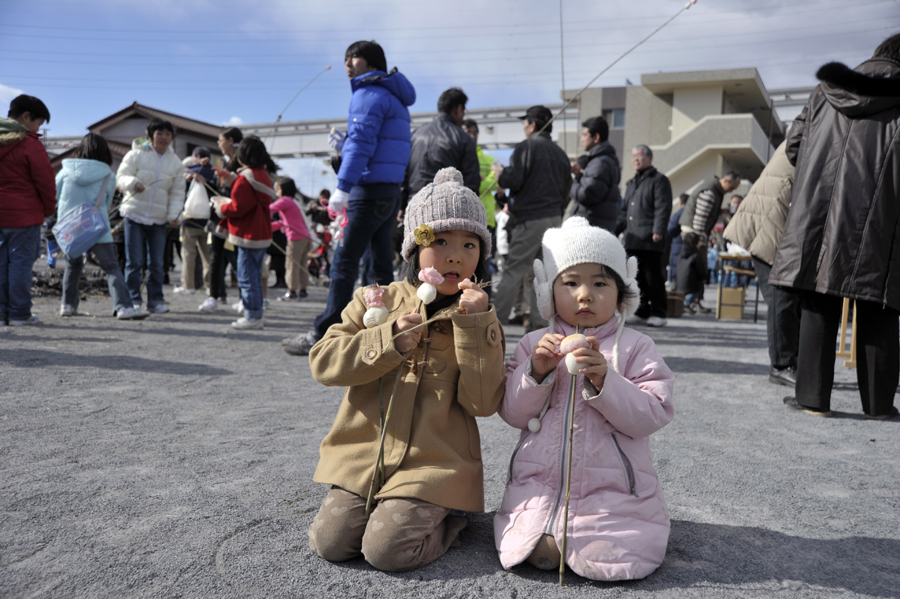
{"points": [[691, 271], [596, 193], [646, 211], [703, 208], [842, 234], [436, 145], [539, 176], [377, 146]]}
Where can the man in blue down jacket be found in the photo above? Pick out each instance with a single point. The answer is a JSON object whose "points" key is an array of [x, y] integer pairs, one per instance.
{"points": [[596, 189], [373, 164]]}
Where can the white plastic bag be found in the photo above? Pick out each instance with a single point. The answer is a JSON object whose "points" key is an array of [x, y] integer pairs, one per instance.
{"points": [[197, 203]]}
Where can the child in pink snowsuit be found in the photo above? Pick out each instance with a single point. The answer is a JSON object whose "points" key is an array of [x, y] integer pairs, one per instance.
{"points": [[618, 524]]}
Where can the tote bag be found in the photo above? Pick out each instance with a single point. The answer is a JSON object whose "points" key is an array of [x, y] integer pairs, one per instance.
{"points": [[80, 228]]}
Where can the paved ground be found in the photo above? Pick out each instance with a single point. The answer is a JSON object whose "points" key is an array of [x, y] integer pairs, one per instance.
{"points": [[173, 458]]}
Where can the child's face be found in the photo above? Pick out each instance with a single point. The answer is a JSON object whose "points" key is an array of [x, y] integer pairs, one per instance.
{"points": [[585, 295], [277, 189], [455, 255], [33, 125]]}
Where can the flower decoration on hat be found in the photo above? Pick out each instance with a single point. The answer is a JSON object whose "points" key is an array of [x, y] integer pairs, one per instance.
{"points": [[424, 235]]}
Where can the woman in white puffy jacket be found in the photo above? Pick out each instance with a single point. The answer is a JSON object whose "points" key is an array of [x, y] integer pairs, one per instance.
{"points": [[151, 178]]}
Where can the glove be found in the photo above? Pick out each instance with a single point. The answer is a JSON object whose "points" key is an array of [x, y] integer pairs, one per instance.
{"points": [[336, 139], [339, 201]]}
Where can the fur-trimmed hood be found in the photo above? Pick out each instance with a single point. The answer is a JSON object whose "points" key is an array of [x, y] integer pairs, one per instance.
{"points": [[11, 132], [870, 88]]}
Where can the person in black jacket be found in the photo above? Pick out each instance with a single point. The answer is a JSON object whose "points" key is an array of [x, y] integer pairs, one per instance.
{"points": [[442, 143], [692, 271], [644, 219], [840, 236], [596, 186], [539, 177]]}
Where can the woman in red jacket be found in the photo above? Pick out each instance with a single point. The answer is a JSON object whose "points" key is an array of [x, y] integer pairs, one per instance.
{"points": [[249, 224]]}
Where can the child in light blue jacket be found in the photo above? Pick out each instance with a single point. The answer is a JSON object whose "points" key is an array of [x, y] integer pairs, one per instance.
{"points": [[79, 182]]}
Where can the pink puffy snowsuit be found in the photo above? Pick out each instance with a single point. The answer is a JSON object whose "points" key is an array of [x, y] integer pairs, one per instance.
{"points": [[618, 521]]}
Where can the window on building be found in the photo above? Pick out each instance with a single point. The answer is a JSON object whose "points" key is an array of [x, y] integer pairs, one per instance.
{"points": [[615, 118]]}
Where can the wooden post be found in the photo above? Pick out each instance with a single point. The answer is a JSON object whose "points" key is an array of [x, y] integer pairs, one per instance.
{"points": [[842, 346], [851, 363]]}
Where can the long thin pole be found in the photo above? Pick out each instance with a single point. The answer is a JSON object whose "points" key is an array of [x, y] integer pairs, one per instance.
{"points": [[687, 6], [379, 458], [562, 67], [283, 110], [573, 379]]}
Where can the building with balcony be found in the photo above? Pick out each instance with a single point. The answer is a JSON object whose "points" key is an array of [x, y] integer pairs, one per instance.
{"points": [[698, 123]]}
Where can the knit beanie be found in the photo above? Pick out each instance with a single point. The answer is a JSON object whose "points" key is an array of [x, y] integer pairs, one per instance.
{"points": [[577, 242], [444, 205]]}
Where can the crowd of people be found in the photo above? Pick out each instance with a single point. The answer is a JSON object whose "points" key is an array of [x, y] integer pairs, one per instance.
{"points": [[422, 356]]}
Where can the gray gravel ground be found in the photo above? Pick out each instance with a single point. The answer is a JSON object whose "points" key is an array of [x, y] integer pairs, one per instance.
{"points": [[173, 458]]}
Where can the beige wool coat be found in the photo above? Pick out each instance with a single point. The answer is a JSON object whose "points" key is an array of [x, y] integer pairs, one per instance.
{"points": [[759, 221], [432, 449]]}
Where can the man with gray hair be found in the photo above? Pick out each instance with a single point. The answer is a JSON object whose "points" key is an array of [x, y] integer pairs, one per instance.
{"points": [[643, 219]]}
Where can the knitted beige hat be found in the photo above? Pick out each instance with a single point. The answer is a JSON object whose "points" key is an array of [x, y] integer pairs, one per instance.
{"points": [[445, 205]]}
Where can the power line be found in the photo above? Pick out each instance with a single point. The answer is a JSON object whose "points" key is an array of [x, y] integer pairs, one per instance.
{"points": [[232, 42], [588, 52], [607, 24]]}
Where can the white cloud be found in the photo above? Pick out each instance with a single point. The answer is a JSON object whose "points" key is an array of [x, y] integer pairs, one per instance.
{"points": [[8, 93], [233, 121]]}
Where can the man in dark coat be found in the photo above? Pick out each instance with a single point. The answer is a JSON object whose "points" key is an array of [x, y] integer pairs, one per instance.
{"points": [[840, 237], [538, 177], [596, 186], [644, 219], [442, 143]]}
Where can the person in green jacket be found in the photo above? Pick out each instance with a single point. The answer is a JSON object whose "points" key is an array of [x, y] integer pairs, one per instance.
{"points": [[488, 181]]}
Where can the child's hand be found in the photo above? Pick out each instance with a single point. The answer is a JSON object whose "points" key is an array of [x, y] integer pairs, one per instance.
{"points": [[593, 364], [406, 342], [473, 299], [546, 356]]}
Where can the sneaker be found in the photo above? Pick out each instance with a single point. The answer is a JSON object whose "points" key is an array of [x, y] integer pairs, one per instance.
{"points": [[792, 403], [208, 305], [131, 314], [635, 319], [299, 345], [290, 296], [265, 303], [183, 291], [783, 376], [66, 310], [248, 323], [51, 260], [689, 309], [302, 294], [158, 309], [889, 414], [28, 321], [656, 321], [238, 306], [699, 309]]}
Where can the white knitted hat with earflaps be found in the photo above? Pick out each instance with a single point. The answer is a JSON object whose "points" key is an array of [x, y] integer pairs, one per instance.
{"points": [[577, 242]]}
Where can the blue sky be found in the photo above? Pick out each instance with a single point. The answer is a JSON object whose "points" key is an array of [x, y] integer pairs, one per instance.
{"points": [[238, 62]]}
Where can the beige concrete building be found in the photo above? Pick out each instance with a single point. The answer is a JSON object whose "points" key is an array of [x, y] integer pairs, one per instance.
{"points": [[698, 123]]}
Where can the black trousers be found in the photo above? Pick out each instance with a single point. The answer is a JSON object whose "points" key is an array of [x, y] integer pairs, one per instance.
{"points": [[652, 284], [877, 352], [783, 320], [218, 260]]}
